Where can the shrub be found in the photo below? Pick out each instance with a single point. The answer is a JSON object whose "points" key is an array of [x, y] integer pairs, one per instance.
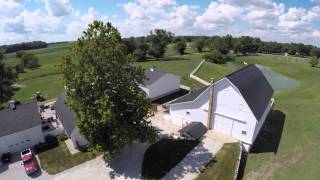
{"points": [[314, 62], [30, 60], [214, 56], [62, 137], [139, 55], [180, 47], [19, 54], [50, 139]]}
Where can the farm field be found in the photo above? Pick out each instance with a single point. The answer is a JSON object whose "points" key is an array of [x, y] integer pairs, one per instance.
{"points": [[297, 155], [46, 79]]}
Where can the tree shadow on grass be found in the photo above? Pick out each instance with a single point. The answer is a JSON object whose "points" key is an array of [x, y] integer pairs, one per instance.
{"points": [[269, 137]]}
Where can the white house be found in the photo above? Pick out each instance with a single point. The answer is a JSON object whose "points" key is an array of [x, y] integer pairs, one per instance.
{"points": [[159, 84], [236, 105], [68, 120], [20, 128]]}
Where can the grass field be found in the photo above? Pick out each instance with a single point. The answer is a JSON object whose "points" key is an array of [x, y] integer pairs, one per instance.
{"points": [[59, 159], [297, 156], [46, 79], [298, 153], [221, 167]]}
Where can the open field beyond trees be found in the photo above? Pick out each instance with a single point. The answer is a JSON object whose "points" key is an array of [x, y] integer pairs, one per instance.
{"points": [[297, 156]]}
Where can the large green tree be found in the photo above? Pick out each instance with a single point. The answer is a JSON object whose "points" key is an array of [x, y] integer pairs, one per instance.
{"points": [[159, 39], [102, 89], [7, 78], [181, 47]]}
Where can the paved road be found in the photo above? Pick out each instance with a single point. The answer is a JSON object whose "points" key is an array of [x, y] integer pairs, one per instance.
{"points": [[189, 168], [127, 165]]}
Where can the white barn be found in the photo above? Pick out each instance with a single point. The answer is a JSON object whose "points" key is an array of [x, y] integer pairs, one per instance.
{"points": [[20, 128], [158, 84], [236, 105]]}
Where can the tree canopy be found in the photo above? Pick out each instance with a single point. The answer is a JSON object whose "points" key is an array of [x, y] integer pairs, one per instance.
{"points": [[181, 47], [102, 89], [7, 78], [159, 39]]}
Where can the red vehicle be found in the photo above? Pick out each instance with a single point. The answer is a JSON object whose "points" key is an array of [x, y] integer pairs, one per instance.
{"points": [[29, 162]]}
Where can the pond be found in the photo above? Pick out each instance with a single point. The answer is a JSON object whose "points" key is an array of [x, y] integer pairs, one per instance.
{"points": [[278, 81]]}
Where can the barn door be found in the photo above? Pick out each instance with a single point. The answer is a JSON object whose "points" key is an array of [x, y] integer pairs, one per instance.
{"points": [[223, 124]]}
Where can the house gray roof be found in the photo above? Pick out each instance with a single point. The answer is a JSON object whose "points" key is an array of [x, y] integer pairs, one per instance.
{"points": [[254, 87], [194, 129], [190, 97], [24, 117], [152, 76], [66, 116]]}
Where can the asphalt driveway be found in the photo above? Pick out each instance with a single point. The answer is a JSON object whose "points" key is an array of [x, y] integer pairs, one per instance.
{"points": [[127, 165], [15, 171]]}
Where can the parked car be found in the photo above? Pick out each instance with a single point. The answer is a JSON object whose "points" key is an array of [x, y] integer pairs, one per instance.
{"points": [[29, 162]]}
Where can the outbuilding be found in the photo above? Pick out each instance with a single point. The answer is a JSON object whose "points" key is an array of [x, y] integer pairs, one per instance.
{"points": [[68, 120], [159, 84], [20, 128], [236, 105]]}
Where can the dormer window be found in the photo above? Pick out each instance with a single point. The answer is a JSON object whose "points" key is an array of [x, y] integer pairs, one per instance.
{"points": [[187, 112]]}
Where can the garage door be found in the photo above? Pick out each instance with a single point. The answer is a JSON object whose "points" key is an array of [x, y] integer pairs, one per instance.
{"points": [[223, 124], [18, 144]]}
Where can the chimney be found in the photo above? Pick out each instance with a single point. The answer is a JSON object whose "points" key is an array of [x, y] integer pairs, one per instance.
{"points": [[12, 105], [152, 68]]}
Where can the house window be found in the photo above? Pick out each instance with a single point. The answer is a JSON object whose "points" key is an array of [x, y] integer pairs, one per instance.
{"points": [[28, 140], [244, 132], [187, 112], [205, 110]]}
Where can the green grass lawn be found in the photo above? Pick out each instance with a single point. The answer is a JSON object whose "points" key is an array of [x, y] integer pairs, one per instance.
{"points": [[50, 86], [297, 156], [59, 159], [298, 153], [46, 79], [222, 166], [210, 71], [164, 155]]}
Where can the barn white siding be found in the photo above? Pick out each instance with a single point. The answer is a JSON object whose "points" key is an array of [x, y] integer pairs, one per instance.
{"points": [[167, 84], [187, 112], [21, 140], [230, 113]]}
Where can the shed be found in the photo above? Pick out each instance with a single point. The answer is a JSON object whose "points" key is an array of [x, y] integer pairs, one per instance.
{"points": [[194, 130]]}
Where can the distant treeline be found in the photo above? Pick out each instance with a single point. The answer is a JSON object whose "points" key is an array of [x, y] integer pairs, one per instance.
{"points": [[224, 44], [24, 46]]}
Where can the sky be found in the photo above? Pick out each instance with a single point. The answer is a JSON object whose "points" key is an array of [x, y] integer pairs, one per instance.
{"points": [[64, 20]]}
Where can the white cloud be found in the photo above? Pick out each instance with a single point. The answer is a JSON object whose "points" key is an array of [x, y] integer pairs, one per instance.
{"points": [[58, 8], [217, 15], [15, 26], [299, 19], [76, 27]]}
